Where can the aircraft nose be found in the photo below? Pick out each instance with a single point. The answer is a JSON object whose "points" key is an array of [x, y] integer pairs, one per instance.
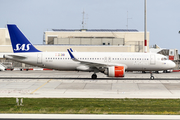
{"points": [[172, 64]]}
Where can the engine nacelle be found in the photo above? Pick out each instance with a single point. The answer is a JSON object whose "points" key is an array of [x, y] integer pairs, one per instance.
{"points": [[115, 71]]}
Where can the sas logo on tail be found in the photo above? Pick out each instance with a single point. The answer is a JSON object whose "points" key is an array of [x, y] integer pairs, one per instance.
{"points": [[22, 47]]}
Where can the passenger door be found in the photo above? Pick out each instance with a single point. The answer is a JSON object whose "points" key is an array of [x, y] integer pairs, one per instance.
{"points": [[39, 58]]}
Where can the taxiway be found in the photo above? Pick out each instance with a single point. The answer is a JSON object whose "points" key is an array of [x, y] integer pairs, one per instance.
{"points": [[63, 84]]}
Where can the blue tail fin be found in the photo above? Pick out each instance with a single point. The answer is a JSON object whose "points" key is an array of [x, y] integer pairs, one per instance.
{"points": [[19, 42]]}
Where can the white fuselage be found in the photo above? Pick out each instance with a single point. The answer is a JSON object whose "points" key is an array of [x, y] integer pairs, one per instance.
{"points": [[63, 61]]}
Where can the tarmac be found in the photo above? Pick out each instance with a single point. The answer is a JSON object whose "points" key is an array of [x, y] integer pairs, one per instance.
{"points": [[64, 84]]}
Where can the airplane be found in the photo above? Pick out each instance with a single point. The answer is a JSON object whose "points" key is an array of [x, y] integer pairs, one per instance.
{"points": [[112, 64]]}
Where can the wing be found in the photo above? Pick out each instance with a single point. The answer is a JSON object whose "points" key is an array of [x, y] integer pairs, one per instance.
{"points": [[91, 64]]}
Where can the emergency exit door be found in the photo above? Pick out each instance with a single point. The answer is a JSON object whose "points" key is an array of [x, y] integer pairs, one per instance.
{"points": [[152, 60]]}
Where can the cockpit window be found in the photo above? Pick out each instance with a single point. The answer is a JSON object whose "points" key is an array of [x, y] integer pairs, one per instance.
{"points": [[163, 58]]}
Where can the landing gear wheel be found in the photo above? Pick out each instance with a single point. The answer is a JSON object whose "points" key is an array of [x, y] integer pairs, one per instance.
{"points": [[152, 77], [94, 76]]}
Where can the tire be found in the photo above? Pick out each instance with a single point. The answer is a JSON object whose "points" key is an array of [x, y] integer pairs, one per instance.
{"points": [[152, 77], [94, 76]]}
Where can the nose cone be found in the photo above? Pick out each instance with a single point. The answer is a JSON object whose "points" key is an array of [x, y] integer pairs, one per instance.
{"points": [[172, 64]]}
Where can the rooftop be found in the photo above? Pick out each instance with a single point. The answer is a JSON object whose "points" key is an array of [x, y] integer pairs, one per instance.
{"points": [[98, 30]]}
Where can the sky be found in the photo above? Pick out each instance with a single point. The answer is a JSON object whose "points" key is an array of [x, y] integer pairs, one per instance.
{"points": [[34, 17]]}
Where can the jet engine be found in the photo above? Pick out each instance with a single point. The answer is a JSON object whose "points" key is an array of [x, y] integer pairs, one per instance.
{"points": [[115, 71]]}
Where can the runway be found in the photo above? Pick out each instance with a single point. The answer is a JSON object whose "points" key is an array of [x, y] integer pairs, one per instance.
{"points": [[62, 84]]}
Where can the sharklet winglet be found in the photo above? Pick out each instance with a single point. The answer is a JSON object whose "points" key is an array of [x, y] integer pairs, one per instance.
{"points": [[71, 49], [72, 56]]}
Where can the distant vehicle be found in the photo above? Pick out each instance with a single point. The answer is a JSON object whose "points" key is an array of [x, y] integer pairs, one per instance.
{"points": [[113, 64], [2, 67], [8, 65]]}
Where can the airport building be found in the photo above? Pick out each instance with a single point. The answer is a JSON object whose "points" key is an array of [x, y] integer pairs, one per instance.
{"points": [[93, 40], [97, 40]]}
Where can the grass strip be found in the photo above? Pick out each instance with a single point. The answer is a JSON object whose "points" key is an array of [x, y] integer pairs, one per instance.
{"points": [[91, 106]]}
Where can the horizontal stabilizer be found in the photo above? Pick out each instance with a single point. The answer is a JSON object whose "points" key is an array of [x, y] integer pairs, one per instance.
{"points": [[14, 57]]}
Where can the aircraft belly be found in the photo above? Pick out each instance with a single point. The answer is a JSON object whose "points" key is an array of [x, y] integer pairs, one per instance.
{"points": [[61, 66]]}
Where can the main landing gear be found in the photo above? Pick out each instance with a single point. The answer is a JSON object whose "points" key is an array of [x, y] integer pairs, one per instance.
{"points": [[94, 76], [152, 77]]}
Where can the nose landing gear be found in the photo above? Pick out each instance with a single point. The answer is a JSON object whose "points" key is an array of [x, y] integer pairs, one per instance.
{"points": [[152, 77], [94, 76]]}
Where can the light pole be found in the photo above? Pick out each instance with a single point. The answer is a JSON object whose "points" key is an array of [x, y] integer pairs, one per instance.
{"points": [[145, 28]]}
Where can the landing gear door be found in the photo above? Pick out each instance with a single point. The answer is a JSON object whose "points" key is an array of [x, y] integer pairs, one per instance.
{"points": [[152, 60], [39, 58]]}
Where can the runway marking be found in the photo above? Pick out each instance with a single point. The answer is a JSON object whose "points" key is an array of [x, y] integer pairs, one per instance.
{"points": [[41, 86], [84, 85], [167, 88]]}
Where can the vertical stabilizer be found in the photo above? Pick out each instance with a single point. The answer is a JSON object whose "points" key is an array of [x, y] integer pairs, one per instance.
{"points": [[19, 42]]}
